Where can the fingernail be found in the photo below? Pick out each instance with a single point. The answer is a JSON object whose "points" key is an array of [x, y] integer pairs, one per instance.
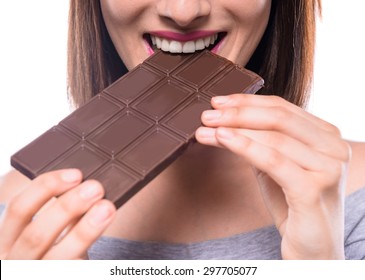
{"points": [[205, 132], [211, 115], [89, 190], [220, 100], [71, 175], [99, 215], [225, 133]]}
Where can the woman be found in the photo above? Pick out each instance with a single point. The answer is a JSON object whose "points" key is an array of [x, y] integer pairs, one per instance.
{"points": [[266, 179]]}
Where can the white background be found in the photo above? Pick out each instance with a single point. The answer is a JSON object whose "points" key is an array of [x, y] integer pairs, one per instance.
{"points": [[33, 70]]}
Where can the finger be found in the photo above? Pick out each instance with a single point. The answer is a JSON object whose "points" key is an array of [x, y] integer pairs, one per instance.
{"points": [[264, 158], [277, 119], [297, 152], [207, 136], [241, 100], [75, 244], [39, 235], [298, 183], [22, 208]]}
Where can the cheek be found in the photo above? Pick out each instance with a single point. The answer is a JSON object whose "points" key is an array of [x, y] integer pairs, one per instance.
{"points": [[120, 20], [251, 18], [258, 17], [254, 12], [120, 11]]}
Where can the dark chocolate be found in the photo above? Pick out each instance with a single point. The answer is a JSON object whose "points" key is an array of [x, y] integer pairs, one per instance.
{"points": [[131, 131]]}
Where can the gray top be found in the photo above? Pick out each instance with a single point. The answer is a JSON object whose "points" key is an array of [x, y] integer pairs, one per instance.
{"points": [[263, 243]]}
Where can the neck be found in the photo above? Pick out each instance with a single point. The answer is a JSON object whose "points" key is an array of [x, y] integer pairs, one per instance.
{"points": [[201, 165]]}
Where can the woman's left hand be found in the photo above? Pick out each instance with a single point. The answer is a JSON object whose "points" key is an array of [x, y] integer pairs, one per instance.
{"points": [[300, 162]]}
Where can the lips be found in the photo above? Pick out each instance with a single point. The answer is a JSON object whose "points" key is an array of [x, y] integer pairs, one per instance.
{"points": [[181, 43]]}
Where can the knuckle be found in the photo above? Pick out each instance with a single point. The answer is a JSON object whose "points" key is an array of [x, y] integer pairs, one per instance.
{"points": [[232, 113], [333, 129], [68, 206], [84, 235], [15, 208], [238, 98], [279, 117], [74, 203], [333, 174], [276, 140], [33, 238], [274, 160], [48, 181], [85, 231], [244, 145], [277, 100]]}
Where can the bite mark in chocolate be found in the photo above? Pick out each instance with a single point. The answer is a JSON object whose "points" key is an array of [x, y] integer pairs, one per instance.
{"points": [[131, 131]]}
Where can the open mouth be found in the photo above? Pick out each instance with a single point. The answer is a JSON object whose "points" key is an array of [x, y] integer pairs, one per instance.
{"points": [[173, 46]]}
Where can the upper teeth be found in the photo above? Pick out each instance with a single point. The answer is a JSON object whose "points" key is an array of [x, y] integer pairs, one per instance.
{"points": [[183, 47]]}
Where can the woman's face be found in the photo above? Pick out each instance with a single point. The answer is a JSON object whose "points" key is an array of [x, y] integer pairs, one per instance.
{"points": [[230, 28]]}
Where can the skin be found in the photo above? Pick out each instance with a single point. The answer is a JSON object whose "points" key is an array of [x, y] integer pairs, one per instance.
{"points": [[273, 163]]}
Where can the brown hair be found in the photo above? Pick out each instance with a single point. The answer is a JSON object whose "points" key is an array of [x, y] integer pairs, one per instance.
{"points": [[284, 57]]}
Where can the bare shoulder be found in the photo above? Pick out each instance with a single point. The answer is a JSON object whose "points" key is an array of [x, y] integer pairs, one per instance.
{"points": [[10, 184], [356, 177]]}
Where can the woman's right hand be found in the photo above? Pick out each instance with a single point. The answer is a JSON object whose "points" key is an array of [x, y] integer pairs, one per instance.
{"points": [[36, 225]]}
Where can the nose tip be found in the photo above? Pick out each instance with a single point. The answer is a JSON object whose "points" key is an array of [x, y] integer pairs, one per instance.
{"points": [[184, 12]]}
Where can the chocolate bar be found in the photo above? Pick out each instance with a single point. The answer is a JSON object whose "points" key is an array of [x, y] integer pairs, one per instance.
{"points": [[131, 131]]}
